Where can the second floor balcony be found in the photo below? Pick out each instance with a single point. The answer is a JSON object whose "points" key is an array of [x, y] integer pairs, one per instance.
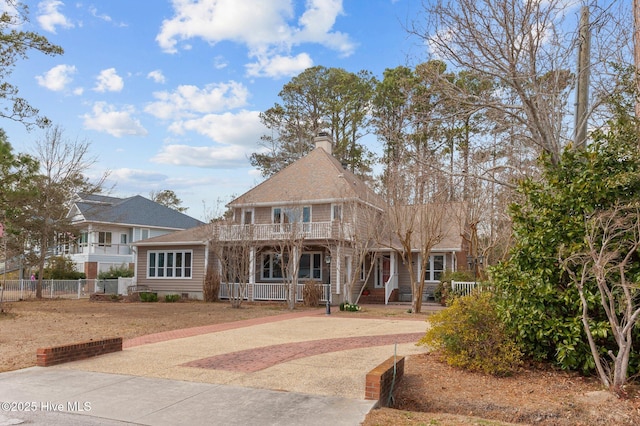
{"points": [[285, 231]]}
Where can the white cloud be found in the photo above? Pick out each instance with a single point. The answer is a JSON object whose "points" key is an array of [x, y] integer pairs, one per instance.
{"points": [[157, 76], [78, 91], [188, 100], [243, 128], [225, 156], [109, 80], [49, 17], [235, 136], [105, 118], [135, 175], [57, 78], [279, 66], [268, 29]]}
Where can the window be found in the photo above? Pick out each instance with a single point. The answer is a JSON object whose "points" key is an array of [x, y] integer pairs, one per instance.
{"points": [[169, 264], [310, 266], [144, 234], [247, 217], [271, 266], [336, 212], [277, 215], [83, 240], [104, 239], [437, 267], [123, 238]]}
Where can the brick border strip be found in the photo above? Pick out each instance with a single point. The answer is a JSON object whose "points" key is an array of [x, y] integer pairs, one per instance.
{"points": [[46, 357], [380, 381]]}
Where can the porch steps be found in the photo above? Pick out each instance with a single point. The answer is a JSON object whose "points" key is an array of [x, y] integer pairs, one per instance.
{"points": [[376, 296]]}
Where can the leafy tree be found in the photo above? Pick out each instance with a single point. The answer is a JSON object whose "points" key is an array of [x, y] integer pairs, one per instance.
{"points": [[16, 173], [168, 198], [61, 268], [14, 45], [538, 300], [318, 99]]}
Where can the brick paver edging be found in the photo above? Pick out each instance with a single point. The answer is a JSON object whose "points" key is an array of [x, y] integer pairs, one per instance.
{"points": [[256, 359]]}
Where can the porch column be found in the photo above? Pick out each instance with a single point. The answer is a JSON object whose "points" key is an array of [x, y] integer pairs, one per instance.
{"points": [[252, 272], [252, 266], [338, 269]]}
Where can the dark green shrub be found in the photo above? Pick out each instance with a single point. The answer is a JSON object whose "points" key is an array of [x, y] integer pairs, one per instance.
{"points": [[171, 298], [470, 335], [148, 297]]}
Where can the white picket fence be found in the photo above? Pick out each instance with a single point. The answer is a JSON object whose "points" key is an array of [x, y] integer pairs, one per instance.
{"points": [[15, 290]]}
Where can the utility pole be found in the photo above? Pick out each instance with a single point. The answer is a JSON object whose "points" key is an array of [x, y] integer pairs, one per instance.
{"points": [[582, 90]]}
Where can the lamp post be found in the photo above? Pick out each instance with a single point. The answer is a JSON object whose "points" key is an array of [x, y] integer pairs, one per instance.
{"points": [[327, 260], [474, 262]]}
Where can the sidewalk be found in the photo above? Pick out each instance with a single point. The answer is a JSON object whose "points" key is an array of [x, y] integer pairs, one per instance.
{"points": [[297, 368]]}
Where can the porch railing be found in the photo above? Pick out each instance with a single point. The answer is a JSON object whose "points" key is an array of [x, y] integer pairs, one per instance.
{"points": [[262, 232], [464, 288], [266, 291], [389, 286]]}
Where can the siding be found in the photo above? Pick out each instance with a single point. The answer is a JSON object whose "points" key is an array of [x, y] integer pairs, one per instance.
{"points": [[174, 285]]}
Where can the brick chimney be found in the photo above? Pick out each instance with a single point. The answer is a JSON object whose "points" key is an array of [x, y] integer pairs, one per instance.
{"points": [[324, 141]]}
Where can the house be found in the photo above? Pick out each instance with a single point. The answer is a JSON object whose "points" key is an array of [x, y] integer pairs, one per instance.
{"points": [[106, 227], [315, 211]]}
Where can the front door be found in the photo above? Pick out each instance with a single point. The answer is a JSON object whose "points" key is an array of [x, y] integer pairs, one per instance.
{"points": [[383, 271]]}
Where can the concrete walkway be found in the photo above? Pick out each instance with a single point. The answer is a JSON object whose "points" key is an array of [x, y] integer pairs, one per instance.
{"points": [[302, 368]]}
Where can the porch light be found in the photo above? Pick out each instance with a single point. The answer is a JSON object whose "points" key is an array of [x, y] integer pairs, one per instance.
{"points": [[327, 259]]}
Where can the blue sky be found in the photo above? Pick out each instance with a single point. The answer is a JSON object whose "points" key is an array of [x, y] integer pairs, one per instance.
{"points": [[168, 92]]}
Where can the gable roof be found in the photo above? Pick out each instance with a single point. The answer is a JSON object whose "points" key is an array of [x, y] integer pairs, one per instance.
{"points": [[316, 177], [136, 210]]}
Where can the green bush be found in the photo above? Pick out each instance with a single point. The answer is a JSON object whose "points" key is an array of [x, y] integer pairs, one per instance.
{"points": [[148, 297], [115, 272], [171, 298], [470, 335]]}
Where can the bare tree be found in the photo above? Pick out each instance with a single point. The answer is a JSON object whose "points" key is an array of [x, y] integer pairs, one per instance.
{"points": [[231, 256], [291, 242], [524, 47], [612, 240], [63, 163]]}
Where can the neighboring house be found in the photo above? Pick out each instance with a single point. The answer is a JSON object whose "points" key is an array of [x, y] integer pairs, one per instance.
{"points": [[315, 209], [106, 228]]}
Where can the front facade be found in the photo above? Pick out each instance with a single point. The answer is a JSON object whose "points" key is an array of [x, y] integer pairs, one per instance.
{"points": [[106, 227], [314, 211]]}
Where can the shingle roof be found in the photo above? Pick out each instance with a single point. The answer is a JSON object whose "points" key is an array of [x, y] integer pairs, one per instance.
{"points": [[198, 235], [135, 210], [317, 176]]}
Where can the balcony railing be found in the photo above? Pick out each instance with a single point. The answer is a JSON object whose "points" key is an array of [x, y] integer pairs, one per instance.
{"points": [[98, 248], [266, 232]]}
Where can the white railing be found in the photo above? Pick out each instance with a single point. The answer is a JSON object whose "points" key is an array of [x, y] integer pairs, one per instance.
{"points": [[15, 290], [97, 248], [389, 286], [266, 291], [261, 232], [464, 288]]}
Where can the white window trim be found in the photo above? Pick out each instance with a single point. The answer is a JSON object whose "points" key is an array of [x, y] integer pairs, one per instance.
{"points": [[253, 216], [333, 206], [312, 265], [173, 277]]}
